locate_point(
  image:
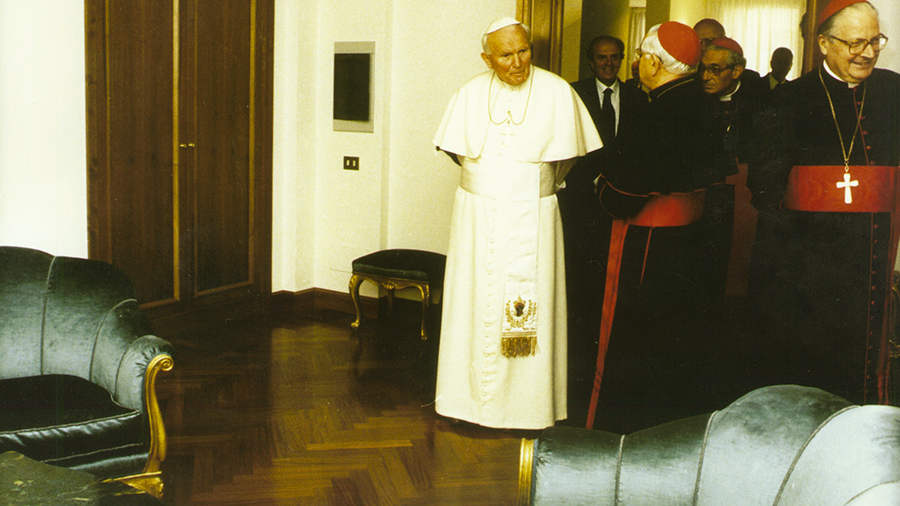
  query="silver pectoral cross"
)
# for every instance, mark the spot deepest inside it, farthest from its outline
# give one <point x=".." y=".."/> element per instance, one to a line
<point x="846" y="184"/>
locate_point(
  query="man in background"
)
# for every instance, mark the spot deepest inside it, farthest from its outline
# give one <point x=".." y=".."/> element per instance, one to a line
<point x="708" y="30"/>
<point x="781" y="62"/>
<point x="721" y="75"/>
<point x="635" y="79"/>
<point x="729" y="214"/>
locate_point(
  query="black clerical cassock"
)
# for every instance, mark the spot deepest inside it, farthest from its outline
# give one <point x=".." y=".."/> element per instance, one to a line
<point x="826" y="186"/>
<point x="655" y="340"/>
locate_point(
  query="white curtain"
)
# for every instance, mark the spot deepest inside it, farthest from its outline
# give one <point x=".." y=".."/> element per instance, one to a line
<point x="760" y="27"/>
<point x="889" y="19"/>
<point x="636" y="32"/>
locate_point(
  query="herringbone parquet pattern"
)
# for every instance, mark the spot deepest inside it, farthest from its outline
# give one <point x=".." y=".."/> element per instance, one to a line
<point x="275" y="413"/>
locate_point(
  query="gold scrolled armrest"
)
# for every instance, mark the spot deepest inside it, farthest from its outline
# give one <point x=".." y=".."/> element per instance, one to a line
<point x="150" y="480"/>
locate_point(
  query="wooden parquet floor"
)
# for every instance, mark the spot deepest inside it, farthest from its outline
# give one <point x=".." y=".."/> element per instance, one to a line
<point x="274" y="412"/>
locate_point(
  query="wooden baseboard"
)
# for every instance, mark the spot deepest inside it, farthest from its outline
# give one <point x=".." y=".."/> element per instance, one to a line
<point x="317" y="299"/>
<point x="305" y="303"/>
<point x="249" y="306"/>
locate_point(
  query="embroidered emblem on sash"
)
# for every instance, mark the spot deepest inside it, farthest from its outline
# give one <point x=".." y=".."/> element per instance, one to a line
<point x="519" y="335"/>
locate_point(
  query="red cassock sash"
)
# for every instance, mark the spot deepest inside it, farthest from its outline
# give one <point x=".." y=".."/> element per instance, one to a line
<point x="743" y="232"/>
<point x="671" y="210"/>
<point x="861" y="189"/>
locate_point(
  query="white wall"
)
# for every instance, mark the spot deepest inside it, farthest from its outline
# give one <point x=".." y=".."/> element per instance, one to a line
<point x="349" y="213"/>
<point x="294" y="144"/>
<point x="402" y="195"/>
<point x="686" y="11"/>
<point x="43" y="168"/>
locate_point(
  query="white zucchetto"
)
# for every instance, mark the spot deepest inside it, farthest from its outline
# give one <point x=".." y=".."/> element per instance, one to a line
<point x="501" y="23"/>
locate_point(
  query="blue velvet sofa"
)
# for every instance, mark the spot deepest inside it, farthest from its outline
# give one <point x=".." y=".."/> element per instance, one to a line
<point x="782" y="445"/>
<point x="78" y="366"/>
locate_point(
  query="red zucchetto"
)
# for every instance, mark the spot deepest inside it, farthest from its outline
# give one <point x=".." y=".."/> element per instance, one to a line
<point x="730" y="44"/>
<point x="680" y="41"/>
<point x="834" y="6"/>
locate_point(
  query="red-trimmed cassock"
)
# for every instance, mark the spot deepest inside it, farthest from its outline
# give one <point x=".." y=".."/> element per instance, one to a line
<point x="827" y="235"/>
<point x="655" y="342"/>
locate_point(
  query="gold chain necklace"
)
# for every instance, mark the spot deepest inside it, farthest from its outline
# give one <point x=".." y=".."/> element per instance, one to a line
<point x="834" y="116"/>
<point x="508" y="112"/>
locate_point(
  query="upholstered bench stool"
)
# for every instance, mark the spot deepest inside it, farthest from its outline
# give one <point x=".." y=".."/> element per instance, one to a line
<point x="396" y="269"/>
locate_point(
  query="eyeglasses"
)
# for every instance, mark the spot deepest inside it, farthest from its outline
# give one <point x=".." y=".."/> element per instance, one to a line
<point x="857" y="46"/>
<point x="712" y="69"/>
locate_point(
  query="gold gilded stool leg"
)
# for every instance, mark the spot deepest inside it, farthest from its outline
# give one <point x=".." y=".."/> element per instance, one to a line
<point x="355" y="281"/>
<point x="426" y="302"/>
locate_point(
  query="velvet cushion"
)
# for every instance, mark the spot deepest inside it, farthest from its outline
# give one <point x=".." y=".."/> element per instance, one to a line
<point x="786" y="445"/>
<point x="415" y="265"/>
<point x="66" y="419"/>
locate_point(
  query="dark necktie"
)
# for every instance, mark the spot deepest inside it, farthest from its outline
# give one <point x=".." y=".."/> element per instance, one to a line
<point x="607" y="125"/>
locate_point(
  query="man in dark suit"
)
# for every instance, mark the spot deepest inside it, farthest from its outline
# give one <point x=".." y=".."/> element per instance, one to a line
<point x="781" y="63"/>
<point x="614" y="108"/>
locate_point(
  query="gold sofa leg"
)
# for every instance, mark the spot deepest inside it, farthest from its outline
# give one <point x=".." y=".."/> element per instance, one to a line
<point x="526" y="461"/>
<point x="150" y="480"/>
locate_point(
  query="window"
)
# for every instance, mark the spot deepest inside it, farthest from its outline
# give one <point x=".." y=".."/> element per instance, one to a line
<point x="760" y="27"/>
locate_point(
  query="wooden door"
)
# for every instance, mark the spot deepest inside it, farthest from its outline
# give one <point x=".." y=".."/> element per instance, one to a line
<point x="179" y="97"/>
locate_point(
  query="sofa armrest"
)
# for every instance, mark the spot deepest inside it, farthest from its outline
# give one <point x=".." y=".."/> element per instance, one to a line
<point x="155" y="352"/>
<point x="567" y="465"/>
<point x="157" y="429"/>
<point x="134" y="367"/>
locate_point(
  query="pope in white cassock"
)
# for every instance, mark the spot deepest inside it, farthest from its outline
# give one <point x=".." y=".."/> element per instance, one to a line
<point x="515" y="130"/>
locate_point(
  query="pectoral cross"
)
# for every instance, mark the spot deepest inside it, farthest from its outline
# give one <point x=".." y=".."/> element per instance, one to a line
<point x="846" y="184"/>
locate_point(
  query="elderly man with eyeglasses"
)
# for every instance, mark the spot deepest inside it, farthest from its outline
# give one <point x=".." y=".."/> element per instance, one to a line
<point x="739" y="97"/>
<point x="720" y="72"/>
<point x="826" y="185"/>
